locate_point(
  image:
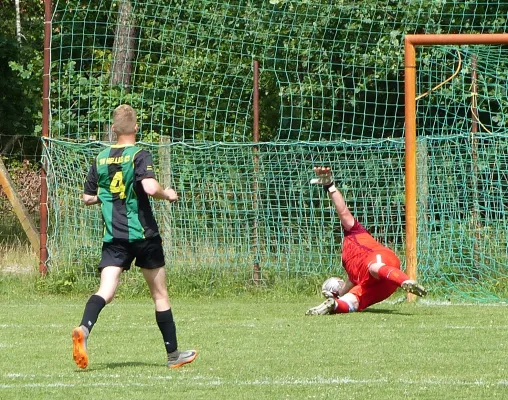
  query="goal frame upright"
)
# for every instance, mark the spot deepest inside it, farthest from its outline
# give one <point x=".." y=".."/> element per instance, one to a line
<point x="410" y="65"/>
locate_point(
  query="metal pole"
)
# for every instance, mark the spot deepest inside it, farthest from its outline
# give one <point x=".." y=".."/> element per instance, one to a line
<point x="410" y="141"/>
<point x="474" y="155"/>
<point x="410" y="42"/>
<point x="255" y="129"/>
<point x="470" y="38"/>
<point x="43" y="229"/>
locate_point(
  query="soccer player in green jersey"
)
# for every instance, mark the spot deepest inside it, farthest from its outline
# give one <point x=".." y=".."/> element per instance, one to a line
<point x="121" y="180"/>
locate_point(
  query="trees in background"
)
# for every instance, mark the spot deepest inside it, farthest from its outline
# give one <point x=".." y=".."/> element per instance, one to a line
<point x="21" y="54"/>
<point x="329" y="70"/>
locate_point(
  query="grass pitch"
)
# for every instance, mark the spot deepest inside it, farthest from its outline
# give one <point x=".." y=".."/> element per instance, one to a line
<point x="251" y="348"/>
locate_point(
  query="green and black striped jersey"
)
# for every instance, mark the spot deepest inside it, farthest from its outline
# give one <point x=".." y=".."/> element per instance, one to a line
<point x="115" y="177"/>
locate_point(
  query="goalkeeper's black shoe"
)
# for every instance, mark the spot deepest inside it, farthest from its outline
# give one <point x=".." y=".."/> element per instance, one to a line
<point x="178" y="358"/>
<point x="326" y="307"/>
<point x="414" y="287"/>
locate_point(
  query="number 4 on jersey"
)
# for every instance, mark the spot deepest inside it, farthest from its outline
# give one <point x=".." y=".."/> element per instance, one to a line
<point x="117" y="185"/>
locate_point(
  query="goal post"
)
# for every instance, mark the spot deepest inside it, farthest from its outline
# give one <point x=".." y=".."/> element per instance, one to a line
<point x="410" y="69"/>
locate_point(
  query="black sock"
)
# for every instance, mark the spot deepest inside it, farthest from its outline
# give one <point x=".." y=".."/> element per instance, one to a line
<point x="93" y="307"/>
<point x="168" y="329"/>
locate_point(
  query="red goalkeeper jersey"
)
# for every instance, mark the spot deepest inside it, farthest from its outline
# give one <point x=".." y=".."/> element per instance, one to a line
<point x="359" y="249"/>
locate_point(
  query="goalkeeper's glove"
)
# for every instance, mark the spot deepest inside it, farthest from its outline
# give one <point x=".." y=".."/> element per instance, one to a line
<point x="325" y="180"/>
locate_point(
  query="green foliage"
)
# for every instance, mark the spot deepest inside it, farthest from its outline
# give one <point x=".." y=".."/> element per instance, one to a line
<point x="323" y="65"/>
<point x="203" y="282"/>
<point x="222" y="284"/>
<point x="21" y="69"/>
<point x="20" y="103"/>
<point x="62" y="283"/>
<point x="341" y="56"/>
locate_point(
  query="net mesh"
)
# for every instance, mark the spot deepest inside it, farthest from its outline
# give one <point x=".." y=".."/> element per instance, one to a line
<point x="331" y="93"/>
<point x="463" y="167"/>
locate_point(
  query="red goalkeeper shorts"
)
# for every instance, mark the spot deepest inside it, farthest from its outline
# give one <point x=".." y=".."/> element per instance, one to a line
<point x="370" y="290"/>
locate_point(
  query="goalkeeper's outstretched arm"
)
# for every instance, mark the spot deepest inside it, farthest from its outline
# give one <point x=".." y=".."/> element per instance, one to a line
<point x="324" y="177"/>
<point x="346" y="218"/>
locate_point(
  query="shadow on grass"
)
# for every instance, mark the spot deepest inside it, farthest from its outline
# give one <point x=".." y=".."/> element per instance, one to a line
<point x="125" y="364"/>
<point x="385" y="311"/>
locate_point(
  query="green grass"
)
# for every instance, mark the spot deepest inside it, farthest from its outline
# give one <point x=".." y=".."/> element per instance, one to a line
<point x="18" y="258"/>
<point x="255" y="348"/>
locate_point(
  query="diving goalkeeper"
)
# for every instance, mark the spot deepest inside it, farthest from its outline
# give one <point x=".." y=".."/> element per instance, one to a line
<point x="373" y="270"/>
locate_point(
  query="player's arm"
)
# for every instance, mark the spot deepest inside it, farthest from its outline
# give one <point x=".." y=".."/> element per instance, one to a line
<point x="90" y="200"/>
<point x="324" y="177"/>
<point x="143" y="169"/>
<point x="90" y="197"/>
<point x="346" y="218"/>
<point x="153" y="188"/>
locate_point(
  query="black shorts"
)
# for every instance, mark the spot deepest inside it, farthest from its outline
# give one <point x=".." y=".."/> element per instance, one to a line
<point x="120" y="253"/>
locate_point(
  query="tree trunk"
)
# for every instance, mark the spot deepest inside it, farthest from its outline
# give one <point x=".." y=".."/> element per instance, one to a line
<point x="123" y="53"/>
<point x="18" y="21"/>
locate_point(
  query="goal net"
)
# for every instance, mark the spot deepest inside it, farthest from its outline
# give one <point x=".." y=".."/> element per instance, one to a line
<point x="331" y="93"/>
<point x="462" y="162"/>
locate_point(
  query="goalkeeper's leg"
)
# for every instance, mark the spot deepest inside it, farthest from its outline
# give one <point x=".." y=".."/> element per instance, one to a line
<point x="345" y="304"/>
<point x="398" y="277"/>
<point x="386" y="266"/>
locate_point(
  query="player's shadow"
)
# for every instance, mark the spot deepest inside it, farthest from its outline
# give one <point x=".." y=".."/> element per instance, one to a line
<point x="384" y="311"/>
<point x="124" y="364"/>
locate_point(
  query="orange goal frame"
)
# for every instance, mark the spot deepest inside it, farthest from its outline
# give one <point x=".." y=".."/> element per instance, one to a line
<point x="410" y="43"/>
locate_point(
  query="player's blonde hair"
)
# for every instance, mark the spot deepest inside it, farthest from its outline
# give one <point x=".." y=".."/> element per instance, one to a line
<point x="124" y="120"/>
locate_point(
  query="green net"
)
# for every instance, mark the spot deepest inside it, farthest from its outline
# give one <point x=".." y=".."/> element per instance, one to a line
<point x="331" y="93"/>
<point x="463" y="168"/>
